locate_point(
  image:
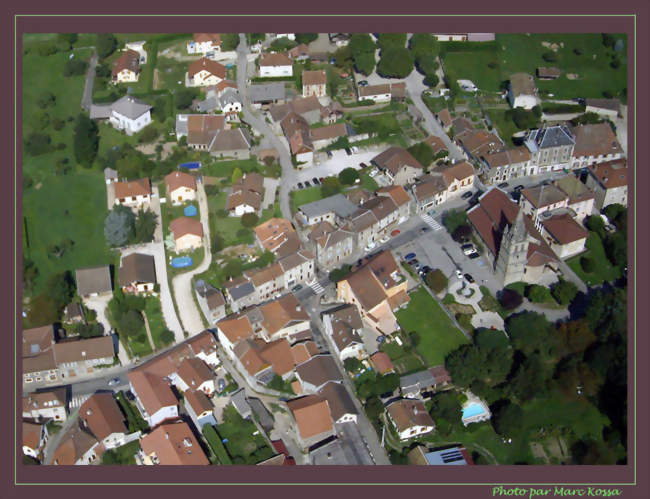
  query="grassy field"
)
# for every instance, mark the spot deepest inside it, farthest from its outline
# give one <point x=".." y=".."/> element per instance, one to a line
<point x="124" y="455"/>
<point x="474" y="66"/>
<point x="156" y="321"/>
<point x="170" y="72"/>
<point x="438" y="335"/>
<point x="504" y="125"/>
<point x="368" y="183"/>
<point x="603" y="269"/>
<point x="226" y="226"/>
<point x="404" y="362"/>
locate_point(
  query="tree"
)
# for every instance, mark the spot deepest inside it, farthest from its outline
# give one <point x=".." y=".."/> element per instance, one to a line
<point x="462" y="233"/>
<point x="229" y="41"/>
<point x="596" y="224"/>
<point x="46" y="99"/>
<point x="615" y="212"/>
<point x="424" y="44"/>
<point x="395" y="62"/>
<point x="510" y="299"/>
<point x="306" y="38"/>
<point x="145" y="226"/>
<point x="616" y="249"/>
<point x="102" y="71"/>
<point x="37" y="144"/>
<point x="574" y="337"/>
<point x="587" y="119"/>
<point x="167" y="337"/>
<point x="184" y="98"/>
<point x="488" y="363"/>
<point x="362" y="49"/>
<point x="389" y="40"/>
<point x="508" y="419"/>
<point x="86" y="140"/>
<point x="454" y="219"/>
<point x="236" y="175"/>
<point x="522" y="119"/>
<point x="423" y="152"/>
<point x="131" y="324"/>
<point x="529" y="332"/>
<point x="431" y="80"/>
<point x="338" y="274"/>
<point x="90" y="330"/>
<point x="446" y="406"/>
<point x="608" y="40"/>
<point x="549" y="56"/>
<point x="436" y="280"/>
<point x="149" y="134"/>
<point x="330" y="186"/>
<point x="374" y="408"/>
<point x="119" y="226"/>
<point x="348" y="176"/>
<point x="587" y="263"/>
<point x="530" y="380"/>
<point x="249" y="219"/>
<point x="68" y="38"/>
<point x="538" y="294"/>
<point x="352" y="364"/>
<point x="387" y="383"/>
<point x="364" y="63"/>
<point x="74" y="67"/>
<point x="106" y="43"/>
<point x="564" y="292"/>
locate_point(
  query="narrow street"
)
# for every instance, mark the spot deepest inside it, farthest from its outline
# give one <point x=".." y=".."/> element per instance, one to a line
<point x="54" y="440"/>
<point x="258" y="123"/>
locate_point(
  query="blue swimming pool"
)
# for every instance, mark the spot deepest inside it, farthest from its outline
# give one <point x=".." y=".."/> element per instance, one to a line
<point x="190" y="211"/>
<point x="192" y="165"/>
<point x="473" y="410"/>
<point x="181" y="261"/>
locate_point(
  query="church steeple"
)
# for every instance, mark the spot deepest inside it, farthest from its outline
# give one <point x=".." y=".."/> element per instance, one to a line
<point x="513" y="250"/>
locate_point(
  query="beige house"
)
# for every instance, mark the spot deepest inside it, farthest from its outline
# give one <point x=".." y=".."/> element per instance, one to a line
<point x="564" y="235"/>
<point x="313" y="419"/>
<point x="508" y="164"/>
<point x="331" y="245"/>
<point x="126" y="68"/>
<point x="180" y="187"/>
<point x="205" y="72"/>
<point x="551" y="149"/>
<point x="377" y="288"/>
<point x="172" y="444"/>
<point x="429" y="191"/>
<point x="522" y="91"/>
<point x="410" y="418"/>
<point x="202" y="43"/>
<point x="101" y="415"/>
<point x="133" y="194"/>
<point x="187" y="234"/>
<point x="609" y="183"/>
<point x="137" y="274"/>
<point x="45" y="405"/>
<point x="595" y="144"/>
<point x="314" y="83"/>
<point x="459" y="178"/>
<point x="398" y="165"/>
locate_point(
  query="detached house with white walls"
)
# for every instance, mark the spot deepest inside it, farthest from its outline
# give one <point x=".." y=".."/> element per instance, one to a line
<point x="522" y="91"/>
<point x="205" y="72"/>
<point x="181" y="187"/>
<point x="203" y="43"/>
<point x="274" y="65"/>
<point x="127" y="113"/>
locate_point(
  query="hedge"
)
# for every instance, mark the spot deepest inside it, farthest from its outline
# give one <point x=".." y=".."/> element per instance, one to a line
<point x="468" y="47"/>
<point x="554" y="108"/>
<point x="214" y="441"/>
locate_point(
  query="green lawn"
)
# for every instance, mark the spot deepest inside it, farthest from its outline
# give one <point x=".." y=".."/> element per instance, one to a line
<point x="170" y="72"/>
<point x="474" y="66"/>
<point x="242" y="445"/>
<point x="124" y="455"/>
<point x="304" y="196"/>
<point x="403" y="360"/>
<point x="227" y="227"/>
<point x="603" y="269"/>
<point x="505" y="126"/>
<point x="225" y="169"/>
<point x="438" y="335"/>
<point x="156" y="321"/>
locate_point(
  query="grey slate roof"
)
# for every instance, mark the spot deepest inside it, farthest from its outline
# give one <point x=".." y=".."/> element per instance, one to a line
<point x="417" y="381"/>
<point x="263" y="415"/>
<point x="553" y="136"/>
<point x="241" y="291"/>
<point x="230" y="140"/>
<point x="130" y="107"/>
<point x="267" y="92"/>
<point x="207" y="105"/>
<point x="338" y="204"/>
<point x="229" y="96"/>
<point x="100" y="111"/>
<point x="240" y="402"/>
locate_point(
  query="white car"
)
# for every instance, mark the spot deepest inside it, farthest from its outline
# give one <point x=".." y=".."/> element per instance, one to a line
<point x="384" y="239"/>
<point x="459" y="274"/>
<point x="370" y="246"/>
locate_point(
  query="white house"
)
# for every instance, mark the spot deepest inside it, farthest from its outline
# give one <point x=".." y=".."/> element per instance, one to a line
<point x="275" y="65"/>
<point x="181" y="187"/>
<point x="343" y="325"/>
<point x="410" y="418"/>
<point x="154" y="397"/>
<point x="194" y="374"/>
<point x="205" y="72"/>
<point x="202" y="43"/>
<point x="522" y="91"/>
<point x="34" y="437"/>
<point x="127" y="113"/>
<point x="134" y="193"/>
<point x="377" y="93"/>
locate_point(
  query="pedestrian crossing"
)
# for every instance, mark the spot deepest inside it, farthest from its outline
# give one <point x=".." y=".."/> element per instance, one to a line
<point x="317" y="288"/>
<point x="431" y="222"/>
<point x="78" y="400"/>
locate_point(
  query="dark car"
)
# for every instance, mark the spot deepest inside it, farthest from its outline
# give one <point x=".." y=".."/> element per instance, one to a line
<point x="298" y="287"/>
<point x="300" y="186"/>
<point x="467" y="195"/>
<point x="424" y="229"/>
<point x="469" y="278"/>
<point x="348" y="151"/>
<point x="467" y="246"/>
<point x="519" y="187"/>
<point x="381" y="339"/>
<point x="221" y="385"/>
<point x="329" y="154"/>
<point x="410" y="256"/>
<point x="307" y="184"/>
<point x="473" y="255"/>
<point x="321" y="178"/>
<point x="503" y="184"/>
<point x="363" y="165"/>
<point x="363" y="83"/>
<point x="414" y="261"/>
<point x="424" y="270"/>
<point x="315" y="180"/>
<point x="129" y="395"/>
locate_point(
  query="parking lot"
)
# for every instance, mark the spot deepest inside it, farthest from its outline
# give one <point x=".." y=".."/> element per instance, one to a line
<point x="339" y="161"/>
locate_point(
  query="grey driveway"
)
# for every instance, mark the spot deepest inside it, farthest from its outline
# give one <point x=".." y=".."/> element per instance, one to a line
<point x="87" y="99"/>
<point x="190" y="315"/>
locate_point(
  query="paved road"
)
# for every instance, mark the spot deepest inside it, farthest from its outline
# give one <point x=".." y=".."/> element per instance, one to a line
<point x="87" y="99"/>
<point x="53" y="441"/>
<point x="258" y="123"/>
<point x="190" y="315"/>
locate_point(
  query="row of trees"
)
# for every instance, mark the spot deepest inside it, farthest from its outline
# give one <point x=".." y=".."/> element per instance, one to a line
<point x="122" y="227"/>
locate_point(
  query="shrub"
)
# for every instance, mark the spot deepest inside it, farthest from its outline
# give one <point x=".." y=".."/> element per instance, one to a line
<point x="549" y="56"/>
<point x="564" y="292"/>
<point x="577" y="51"/>
<point x="348" y="176"/>
<point x="249" y="219"/>
<point x="46" y="99"/>
<point x="437" y="281"/>
<point x="492" y="64"/>
<point x="148" y="135"/>
<point x="106" y="43"/>
<point x="510" y="299"/>
<point x="337" y="274"/>
<point x="167" y="337"/>
<point x="58" y="124"/>
<point x="37" y="144"/>
<point x="431" y="80"/>
<point x="462" y="233"/>
<point x="102" y="71"/>
<point x="539" y="294"/>
<point x="587" y="263"/>
<point x="211" y="190"/>
<point x="74" y="67"/>
<point x="616" y="63"/>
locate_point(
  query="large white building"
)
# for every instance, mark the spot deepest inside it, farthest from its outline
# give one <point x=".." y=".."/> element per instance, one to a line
<point x="128" y="114"/>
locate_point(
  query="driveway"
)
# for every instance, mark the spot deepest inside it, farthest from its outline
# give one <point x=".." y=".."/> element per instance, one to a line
<point x="87" y="99"/>
<point x="270" y="186"/>
<point x="157" y="250"/>
<point x="258" y="122"/>
<point x="99" y="304"/>
<point x="333" y="166"/>
<point x="190" y="315"/>
<point x="53" y="441"/>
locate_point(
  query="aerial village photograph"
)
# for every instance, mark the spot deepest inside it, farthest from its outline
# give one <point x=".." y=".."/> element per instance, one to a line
<point x="318" y="249"/>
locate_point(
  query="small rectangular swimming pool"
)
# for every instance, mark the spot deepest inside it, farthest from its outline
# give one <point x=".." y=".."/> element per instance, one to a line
<point x="181" y="261"/>
<point x="473" y="410"/>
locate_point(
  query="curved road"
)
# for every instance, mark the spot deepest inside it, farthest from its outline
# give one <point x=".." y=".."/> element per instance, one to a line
<point x="189" y="314"/>
<point x="258" y="123"/>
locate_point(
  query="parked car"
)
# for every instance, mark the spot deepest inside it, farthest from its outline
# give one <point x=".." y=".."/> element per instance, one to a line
<point x="413" y="262"/>
<point x="395" y="233"/>
<point x="355" y="149"/>
<point x="370" y="246"/>
<point x="321" y="179"/>
<point x="424" y="229"/>
<point x="363" y="165"/>
<point x="469" y="278"/>
<point x="315" y="180"/>
<point x="381" y="339"/>
<point x="384" y="239"/>
<point x="221" y="385"/>
<point x="129" y="395"/>
<point x="432" y="213"/>
<point x="329" y="154"/>
<point x="307" y="184"/>
<point x="519" y="187"/>
<point x="114" y="381"/>
<point x="298" y="287"/>
<point x="424" y="270"/>
<point x="468" y="249"/>
<point x="348" y="152"/>
<point x="467" y="195"/>
<point x="473" y="255"/>
<point x="300" y="186"/>
<point x="503" y="185"/>
<point x="459" y="274"/>
<point x="363" y="83"/>
<point x="410" y="256"/>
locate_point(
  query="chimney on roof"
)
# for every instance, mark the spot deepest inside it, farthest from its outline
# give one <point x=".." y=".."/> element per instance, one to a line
<point x="167" y="436"/>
